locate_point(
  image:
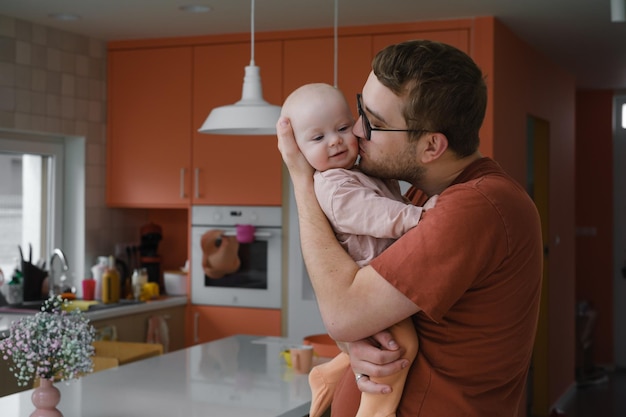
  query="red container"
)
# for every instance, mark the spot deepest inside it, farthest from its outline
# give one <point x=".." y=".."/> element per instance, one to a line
<point x="89" y="289"/>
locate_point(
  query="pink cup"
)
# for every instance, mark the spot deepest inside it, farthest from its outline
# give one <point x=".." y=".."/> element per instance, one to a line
<point x="89" y="289"/>
<point x="245" y="233"/>
<point x="301" y="358"/>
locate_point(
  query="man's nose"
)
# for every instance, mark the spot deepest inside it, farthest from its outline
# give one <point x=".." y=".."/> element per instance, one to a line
<point x="357" y="129"/>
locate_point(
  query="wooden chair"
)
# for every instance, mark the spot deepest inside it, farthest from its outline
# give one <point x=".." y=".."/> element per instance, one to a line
<point x="126" y="352"/>
<point x="100" y="363"/>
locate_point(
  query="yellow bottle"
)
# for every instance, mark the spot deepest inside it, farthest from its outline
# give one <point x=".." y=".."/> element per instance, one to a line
<point x="111" y="284"/>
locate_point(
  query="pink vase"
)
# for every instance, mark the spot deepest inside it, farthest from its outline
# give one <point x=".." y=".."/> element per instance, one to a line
<point x="45" y="398"/>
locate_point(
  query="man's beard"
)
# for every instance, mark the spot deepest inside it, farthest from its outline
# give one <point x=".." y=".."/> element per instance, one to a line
<point x="404" y="168"/>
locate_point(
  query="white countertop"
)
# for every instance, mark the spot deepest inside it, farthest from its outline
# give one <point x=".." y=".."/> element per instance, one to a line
<point x="7" y="315"/>
<point x="238" y="376"/>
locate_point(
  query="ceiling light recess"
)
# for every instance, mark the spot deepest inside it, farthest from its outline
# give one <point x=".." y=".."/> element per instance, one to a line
<point x="252" y="115"/>
<point x="195" y="8"/>
<point x="65" y="17"/>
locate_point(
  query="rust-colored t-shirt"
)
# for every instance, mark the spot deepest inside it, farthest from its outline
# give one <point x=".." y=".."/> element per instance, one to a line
<point x="473" y="265"/>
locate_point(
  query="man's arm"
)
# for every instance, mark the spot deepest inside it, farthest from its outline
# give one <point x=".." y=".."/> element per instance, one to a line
<point x="354" y="303"/>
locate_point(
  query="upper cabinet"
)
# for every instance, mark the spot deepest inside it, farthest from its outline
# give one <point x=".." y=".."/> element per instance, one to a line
<point x="160" y="93"/>
<point x="312" y="61"/>
<point x="234" y="169"/>
<point x="159" y="98"/>
<point x="149" y="127"/>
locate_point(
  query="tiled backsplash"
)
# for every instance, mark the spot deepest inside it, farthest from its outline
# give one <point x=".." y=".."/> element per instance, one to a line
<point x="54" y="82"/>
<point x="51" y="81"/>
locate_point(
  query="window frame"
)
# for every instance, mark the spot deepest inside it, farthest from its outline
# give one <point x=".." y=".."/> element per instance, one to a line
<point x="52" y="147"/>
<point x="70" y="180"/>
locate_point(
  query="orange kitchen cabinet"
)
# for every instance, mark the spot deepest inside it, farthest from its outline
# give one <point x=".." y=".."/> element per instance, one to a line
<point x="207" y="323"/>
<point x="311" y="60"/>
<point x="149" y="127"/>
<point x="459" y="38"/>
<point x="234" y="169"/>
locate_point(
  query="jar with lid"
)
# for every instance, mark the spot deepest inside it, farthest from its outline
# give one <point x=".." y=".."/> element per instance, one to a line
<point x="138" y="280"/>
<point x="97" y="271"/>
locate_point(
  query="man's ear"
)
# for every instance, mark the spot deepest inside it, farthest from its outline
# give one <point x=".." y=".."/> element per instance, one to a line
<point x="435" y="144"/>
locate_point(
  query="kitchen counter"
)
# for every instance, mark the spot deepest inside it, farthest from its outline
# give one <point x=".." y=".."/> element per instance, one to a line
<point x="236" y="376"/>
<point x="8" y="315"/>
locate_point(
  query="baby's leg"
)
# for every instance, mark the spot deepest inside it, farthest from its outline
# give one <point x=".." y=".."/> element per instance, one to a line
<point x="385" y="405"/>
<point x="323" y="380"/>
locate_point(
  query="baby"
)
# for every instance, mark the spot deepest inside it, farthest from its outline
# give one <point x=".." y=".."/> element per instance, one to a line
<point x="367" y="214"/>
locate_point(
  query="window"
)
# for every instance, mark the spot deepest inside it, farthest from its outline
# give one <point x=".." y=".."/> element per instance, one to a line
<point x="31" y="198"/>
<point x="623" y="123"/>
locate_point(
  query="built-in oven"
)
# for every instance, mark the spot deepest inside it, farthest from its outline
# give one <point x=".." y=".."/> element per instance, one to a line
<point x="257" y="282"/>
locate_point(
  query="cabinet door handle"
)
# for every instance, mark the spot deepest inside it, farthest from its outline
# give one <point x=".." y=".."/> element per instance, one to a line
<point x="182" y="183"/>
<point x="196" y="187"/>
<point x="196" y="320"/>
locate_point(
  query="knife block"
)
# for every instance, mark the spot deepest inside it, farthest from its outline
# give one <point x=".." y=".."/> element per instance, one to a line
<point x="33" y="282"/>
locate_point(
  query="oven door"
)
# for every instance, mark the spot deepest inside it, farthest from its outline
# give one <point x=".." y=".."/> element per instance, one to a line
<point x="257" y="282"/>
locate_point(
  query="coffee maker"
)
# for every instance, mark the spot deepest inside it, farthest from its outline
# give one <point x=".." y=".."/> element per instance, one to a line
<point x="151" y="234"/>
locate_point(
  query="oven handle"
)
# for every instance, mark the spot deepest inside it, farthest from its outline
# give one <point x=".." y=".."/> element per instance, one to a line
<point x="256" y="234"/>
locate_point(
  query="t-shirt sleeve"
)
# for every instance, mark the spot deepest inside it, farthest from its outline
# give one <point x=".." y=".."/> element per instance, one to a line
<point x="457" y="242"/>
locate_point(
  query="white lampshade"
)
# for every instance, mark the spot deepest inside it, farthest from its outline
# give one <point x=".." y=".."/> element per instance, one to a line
<point x="249" y="116"/>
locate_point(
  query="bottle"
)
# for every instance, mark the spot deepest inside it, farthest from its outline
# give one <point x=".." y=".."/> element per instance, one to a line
<point x="97" y="271"/>
<point x="111" y="283"/>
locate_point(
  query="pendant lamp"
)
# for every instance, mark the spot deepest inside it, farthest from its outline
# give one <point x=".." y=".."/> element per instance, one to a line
<point x="251" y="115"/>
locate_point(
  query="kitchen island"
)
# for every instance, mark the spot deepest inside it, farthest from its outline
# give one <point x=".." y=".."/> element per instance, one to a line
<point x="235" y="376"/>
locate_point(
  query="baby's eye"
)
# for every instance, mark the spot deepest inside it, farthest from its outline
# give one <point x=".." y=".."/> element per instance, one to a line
<point x="318" y="138"/>
<point x="347" y="126"/>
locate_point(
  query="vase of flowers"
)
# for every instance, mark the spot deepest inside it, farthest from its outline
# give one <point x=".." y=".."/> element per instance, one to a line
<point x="52" y="345"/>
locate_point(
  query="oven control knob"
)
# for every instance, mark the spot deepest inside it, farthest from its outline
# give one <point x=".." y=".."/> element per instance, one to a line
<point x="235" y="300"/>
<point x="217" y="217"/>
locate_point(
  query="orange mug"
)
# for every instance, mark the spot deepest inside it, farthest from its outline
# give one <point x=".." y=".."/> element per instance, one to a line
<point x="301" y="358"/>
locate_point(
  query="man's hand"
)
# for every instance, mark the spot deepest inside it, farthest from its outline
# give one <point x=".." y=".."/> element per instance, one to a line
<point x="377" y="356"/>
<point x="295" y="161"/>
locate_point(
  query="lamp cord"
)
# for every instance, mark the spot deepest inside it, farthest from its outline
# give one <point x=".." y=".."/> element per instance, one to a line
<point x="335" y="42"/>
<point x="252" y="35"/>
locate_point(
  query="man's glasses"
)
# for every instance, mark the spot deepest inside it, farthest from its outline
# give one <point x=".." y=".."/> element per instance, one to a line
<point x="367" y="127"/>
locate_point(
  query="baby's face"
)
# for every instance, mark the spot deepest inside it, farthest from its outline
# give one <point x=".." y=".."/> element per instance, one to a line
<point x="323" y="132"/>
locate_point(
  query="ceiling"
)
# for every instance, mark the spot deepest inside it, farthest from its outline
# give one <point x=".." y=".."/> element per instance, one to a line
<point x="577" y="34"/>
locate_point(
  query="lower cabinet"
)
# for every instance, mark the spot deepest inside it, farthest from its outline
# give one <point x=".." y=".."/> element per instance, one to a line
<point x="207" y="323"/>
<point x="134" y="327"/>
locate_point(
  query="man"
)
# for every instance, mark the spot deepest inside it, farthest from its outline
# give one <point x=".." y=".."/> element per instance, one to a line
<point x="469" y="275"/>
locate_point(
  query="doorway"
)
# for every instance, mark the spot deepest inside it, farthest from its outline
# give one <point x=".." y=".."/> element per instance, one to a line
<point x="538" y="160"/>
<point x="619" y="237"/>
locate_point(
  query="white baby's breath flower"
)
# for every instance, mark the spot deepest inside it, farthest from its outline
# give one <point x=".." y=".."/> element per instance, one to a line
<point x="53" y="344"/>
